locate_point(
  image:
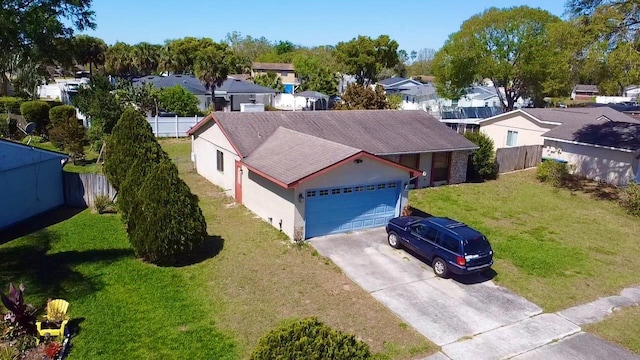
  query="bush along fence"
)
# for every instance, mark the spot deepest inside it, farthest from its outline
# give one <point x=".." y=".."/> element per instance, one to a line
<point x="81" y="190"/>
<point x="174" y="126"/>
<point x="518" y="158"/>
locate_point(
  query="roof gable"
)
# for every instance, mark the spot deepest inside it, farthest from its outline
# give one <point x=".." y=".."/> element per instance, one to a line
<point x="601" y="133"/>
<point x="189" y="82"/>
<point x="237" y="86"/>
<point x="14" y="155"/>
<point x="377" y="132"/>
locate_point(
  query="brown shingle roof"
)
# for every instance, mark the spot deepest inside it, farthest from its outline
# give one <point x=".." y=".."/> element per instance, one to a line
<point x="586" y="88"/>
<point x="378" y="132"/>
<point x="304" y="155"/>
<point x="272" y="66"/>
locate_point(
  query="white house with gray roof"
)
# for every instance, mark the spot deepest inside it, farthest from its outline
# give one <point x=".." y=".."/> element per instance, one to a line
<point x="599" y="143"/>
<point x="315" y="173"/>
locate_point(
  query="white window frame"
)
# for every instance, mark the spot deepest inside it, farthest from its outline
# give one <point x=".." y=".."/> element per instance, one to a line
<point x="513" y="137"/>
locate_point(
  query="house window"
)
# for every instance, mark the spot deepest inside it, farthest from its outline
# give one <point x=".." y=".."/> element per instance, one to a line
<point x="382" y="186"/>
<point x="359" y="188"/>
<point x="370" y="187"/>
<point x="486" y="104"/>
<point x="324" y="192"/>
<point x="347" y="190"/>
<point x="392" y="185"/>
<point x="512" y="138"/>
<point x="219" y="160"/>
<point x="311" y="193"/>
<point x="440" y="166"/>
<point x="335" y="191"/>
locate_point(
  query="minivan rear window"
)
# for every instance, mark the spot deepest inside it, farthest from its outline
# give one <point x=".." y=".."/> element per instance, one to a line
<point x="476" y="245"/>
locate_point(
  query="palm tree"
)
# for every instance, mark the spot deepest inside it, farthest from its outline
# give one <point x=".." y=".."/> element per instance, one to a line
<point x="211" y="65"/>
<point x="89" y="50"/>
<point x="146" y="58"/>
<point x="119" y="60"/>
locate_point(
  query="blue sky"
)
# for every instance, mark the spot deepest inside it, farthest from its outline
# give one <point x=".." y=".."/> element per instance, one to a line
<point x="414" y="24"/>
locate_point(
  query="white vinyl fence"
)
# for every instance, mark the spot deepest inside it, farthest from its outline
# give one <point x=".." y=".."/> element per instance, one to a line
<point x="172" y="126"/>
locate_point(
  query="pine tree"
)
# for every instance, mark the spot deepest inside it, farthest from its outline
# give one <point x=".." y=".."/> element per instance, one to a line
<point x="131" y="139"/>
<point x="165" y="223"/>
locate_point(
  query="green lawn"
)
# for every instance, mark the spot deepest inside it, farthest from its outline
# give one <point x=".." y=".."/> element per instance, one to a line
<point x="216" y="309"/>
<point x="555" y="247"/>
<point x="623" y="327"/>
<point x="88" y="166"/>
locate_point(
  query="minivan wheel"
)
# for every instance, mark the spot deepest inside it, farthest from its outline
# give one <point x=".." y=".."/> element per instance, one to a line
<point x="394" y="240"/>
<point x="440" y="268"/>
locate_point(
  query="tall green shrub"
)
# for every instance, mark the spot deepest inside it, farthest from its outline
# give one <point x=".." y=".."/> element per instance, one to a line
<point x="552" y="172"/>
<point x="37" y="112"/>
<point x="10" y="104"/>
<point x="483" y="161"/>
<point x="309" y="339"/>
<point x="165" y="223"/>
<point x="67" y="132"/>
<point x="179" y="100"/>
<point x="131" y="139"/>
<point x="128" y="193"/>
<point x="630" y="198"/>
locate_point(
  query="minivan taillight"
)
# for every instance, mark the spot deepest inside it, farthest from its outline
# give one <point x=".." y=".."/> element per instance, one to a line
<point x="461" y="261"/>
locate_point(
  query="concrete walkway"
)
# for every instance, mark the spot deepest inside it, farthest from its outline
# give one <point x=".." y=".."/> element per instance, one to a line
<point x="479" y="320"/>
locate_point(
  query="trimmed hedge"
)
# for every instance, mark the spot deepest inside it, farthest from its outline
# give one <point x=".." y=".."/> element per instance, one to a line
<point x="630" y="198"/>
<point x="36" y="112"/>
<point x="309" y="339"/>
<point x="552" y="172"/>
<point x="10" y="104"/>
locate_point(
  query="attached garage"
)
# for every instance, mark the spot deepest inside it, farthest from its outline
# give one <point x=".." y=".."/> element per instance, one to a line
<point x="310" y="174"/>
<point x="349" y="208"/>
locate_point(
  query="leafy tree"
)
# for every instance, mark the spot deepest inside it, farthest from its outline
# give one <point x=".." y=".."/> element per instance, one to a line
<point x="36" y="112"/>
<point x="316" y="70"/>
<point x="144" y="97"/>
<point x="615" y="20"/>
<point x="179" y="56"/>
<point x="283" y="47"/>
<point x="98" y="103"/>
<point x="89" y="50"/>
<point x="270" y="80"/>
<point x="29" y="74"/>
<point x="131" y="139"/>
<point x="67" y="133"/>
<point x="309" y="339"/>
<point x="38" y="29"/>
<point x="509" y="46"/>
<point x="394" y="101"/>
<point x="358" y="97"/>
<point x="179" y="100"/>
<point x="247" y="47"/>
<point x="364" y="57"/>
<point x="166" y="225"/>
<point x="483" y="161"/>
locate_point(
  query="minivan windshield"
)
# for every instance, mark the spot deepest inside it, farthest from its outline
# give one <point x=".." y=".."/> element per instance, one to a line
<point x="476" y="245"/>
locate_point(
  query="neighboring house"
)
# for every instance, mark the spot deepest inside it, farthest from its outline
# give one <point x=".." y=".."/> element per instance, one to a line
<point x="233" y="92"/>
<point x="584" y="92"/>
<point x="189" y="82"/>
<point x="395" y="84"/>
<point x="286" y="72"/>
<point x="311" y="173"/>
<point x="600" y="142"/>
<point x="475" y="96"/>
<point x="31" y="181"/>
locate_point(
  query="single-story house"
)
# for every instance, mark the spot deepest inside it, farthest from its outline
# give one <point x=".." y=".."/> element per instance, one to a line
<point x="311" y="173"/>
<point x="584" y="92"/>
<point x="599" y="142"/>
<point x="286" y="73"/>
<point x="31" y="181"/>
<point x="234" y="92"/>
<point x="396" y="83"/>
<point x="189" y="82"/>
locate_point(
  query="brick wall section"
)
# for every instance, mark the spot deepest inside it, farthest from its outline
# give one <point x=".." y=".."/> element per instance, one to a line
<point x="459" y="166"/>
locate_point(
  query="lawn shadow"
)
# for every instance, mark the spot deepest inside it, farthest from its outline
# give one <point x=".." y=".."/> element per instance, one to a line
<point x="52" y="275"/>
<point x="597" y="190"/>
<point x="37" y="223"/>
<point x="211" y="247"/>
<point x="74" y="327"/>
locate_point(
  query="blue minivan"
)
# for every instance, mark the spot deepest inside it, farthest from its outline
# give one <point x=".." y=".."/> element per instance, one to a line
<point x="451" y="246"/>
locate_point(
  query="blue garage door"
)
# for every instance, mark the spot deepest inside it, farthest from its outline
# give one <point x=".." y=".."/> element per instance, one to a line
<point x="341" y="209"/>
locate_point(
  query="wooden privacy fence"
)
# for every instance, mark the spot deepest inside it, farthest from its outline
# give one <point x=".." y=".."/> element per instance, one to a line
<point x="81" y="190"/>
<point x="518" y="158"/>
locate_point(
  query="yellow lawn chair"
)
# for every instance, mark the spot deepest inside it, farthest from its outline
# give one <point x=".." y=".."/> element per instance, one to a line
<point x="56" y="312"/>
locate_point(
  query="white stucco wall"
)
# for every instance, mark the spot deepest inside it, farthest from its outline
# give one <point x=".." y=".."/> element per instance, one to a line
<point x="369" y="171"/>
<point x="529" y="131"/>
<point x="270" y="201"/>
<point x="204" y="149"/>
<point x="612" y="166"/>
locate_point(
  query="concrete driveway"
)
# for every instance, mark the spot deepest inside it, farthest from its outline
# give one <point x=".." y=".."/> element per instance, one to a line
<point x="472" y="320"/>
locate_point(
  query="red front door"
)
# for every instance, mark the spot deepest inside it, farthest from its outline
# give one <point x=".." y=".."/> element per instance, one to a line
<point x="238" y="192"/>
